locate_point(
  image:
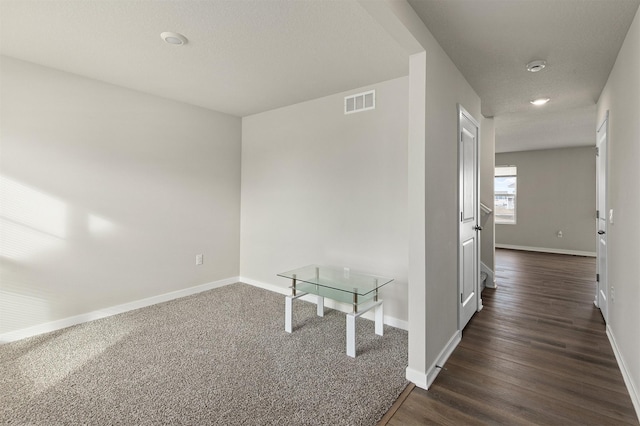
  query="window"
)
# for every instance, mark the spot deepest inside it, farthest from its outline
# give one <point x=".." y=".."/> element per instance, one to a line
<point x="505" y="189"/>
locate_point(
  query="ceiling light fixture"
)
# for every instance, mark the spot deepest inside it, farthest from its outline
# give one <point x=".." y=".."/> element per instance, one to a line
<point x="540" y="101"/>
<point x="537" y="65"/>
<point x="174" y="38"/>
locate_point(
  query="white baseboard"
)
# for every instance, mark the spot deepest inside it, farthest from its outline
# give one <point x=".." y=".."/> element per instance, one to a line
<point x="417" y="378"/>
<point x="444" y="355"/>
<point x="113" y="310"/>
<point x="491" y="278"/>
<point x="425" y="380"/>
<point x="548" y="250"/>
<point x="331" y="304"/>
<point x="270" y="287"/>
<point x="628" y="380"/>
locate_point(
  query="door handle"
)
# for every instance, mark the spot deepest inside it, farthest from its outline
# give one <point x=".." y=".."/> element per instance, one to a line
<point x="601" y="232"/>
<point x="478" y="228"/>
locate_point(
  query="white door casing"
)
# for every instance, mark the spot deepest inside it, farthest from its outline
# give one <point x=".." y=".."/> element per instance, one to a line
<point x="469" y="213"/>
<point x="602" y="293"/>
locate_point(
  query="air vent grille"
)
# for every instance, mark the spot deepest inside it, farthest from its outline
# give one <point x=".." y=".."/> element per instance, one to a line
<point x="360" y="102"/>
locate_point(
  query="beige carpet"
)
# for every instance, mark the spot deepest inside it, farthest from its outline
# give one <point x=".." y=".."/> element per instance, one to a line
<point x="219" y="357"/>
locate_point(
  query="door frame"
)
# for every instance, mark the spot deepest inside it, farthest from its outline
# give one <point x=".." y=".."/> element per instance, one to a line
<point x="602" y="275"/>
<point x="462" y="112"/>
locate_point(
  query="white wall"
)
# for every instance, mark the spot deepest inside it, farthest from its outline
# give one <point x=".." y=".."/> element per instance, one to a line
<point x="446" y="87"/>
<point x="621" y="97"/>
<point x="322" y="187"/>
<point x="108" y="194"/>
<point x="556" y="192"/>
<point x="436" y="89"/>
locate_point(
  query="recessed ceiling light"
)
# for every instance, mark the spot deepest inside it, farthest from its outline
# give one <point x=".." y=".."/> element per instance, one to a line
<point x="535" y="66"/>
<point x="540" y="101"/>
<point x="174" y="38"/>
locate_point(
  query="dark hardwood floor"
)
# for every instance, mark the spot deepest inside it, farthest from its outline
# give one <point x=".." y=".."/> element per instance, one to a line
<point x="536" y="354"/>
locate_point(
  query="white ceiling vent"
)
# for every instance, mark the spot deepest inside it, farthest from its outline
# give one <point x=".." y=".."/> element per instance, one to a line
<point x="360" y="102"/>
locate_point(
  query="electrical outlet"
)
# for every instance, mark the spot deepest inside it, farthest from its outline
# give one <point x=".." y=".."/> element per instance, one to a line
<point x="559" y="234"/>
<point x="199" y="259"/>
<point x="346" y="272"/>
<point x="612" y="295"/>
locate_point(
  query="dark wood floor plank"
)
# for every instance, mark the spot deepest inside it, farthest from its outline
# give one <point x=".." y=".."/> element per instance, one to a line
<point x="537" y="361"/>
<point x="573" y="394"/>
<point x="536" y="354"/>
<point x="422" y="408"/>
<point x="520" y="402"/>
<point x="483" y="409"/>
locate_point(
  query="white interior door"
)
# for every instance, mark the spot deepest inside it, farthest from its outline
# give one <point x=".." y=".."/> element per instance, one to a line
<point x="468" y="249"/>
<point x="602" y="293"/>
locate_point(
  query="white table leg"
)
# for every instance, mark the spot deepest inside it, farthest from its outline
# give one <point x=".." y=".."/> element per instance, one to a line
<point x="379" y="317"/>
<point x="288" y="313"/>
<point x="351" y="335"/>
<point x="320" y="306"/>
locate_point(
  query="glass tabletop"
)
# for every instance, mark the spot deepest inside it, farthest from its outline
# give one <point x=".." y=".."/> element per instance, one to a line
<point x="341" y="279"/>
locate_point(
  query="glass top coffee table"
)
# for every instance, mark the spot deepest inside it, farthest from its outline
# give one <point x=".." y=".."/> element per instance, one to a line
<point x="340" y="284"/>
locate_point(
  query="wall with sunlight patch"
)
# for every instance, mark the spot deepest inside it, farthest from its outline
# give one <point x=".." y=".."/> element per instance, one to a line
<point x="107" y="195"/>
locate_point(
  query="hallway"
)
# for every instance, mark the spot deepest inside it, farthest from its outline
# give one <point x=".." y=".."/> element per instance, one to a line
<point x="536" y="354"/>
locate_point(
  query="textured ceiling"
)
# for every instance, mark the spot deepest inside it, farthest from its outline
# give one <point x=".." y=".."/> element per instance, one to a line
<point x="542" y="129"/>
<point x="242" y="57"/>
<point x="491" y="41"/>
<point x="249" y="56"/>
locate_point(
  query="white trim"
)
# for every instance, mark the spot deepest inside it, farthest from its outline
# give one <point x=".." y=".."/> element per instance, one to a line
<point x="464" y="114"/>
<point x="425" y="380"/>
<point x="491" y="278"/>
<point x="113" y="310"/>
<point x="417" y="378"/>
<point x="329" y="303"/>
<point x="547" y="250"/>
<point x="628" y="380"/>
<point x="271" y="287"/>
<point x="602" y="194"/>
<point x="444" y="355"/>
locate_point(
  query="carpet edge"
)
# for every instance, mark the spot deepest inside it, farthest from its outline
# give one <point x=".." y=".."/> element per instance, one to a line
<point x="35" y="330"/>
